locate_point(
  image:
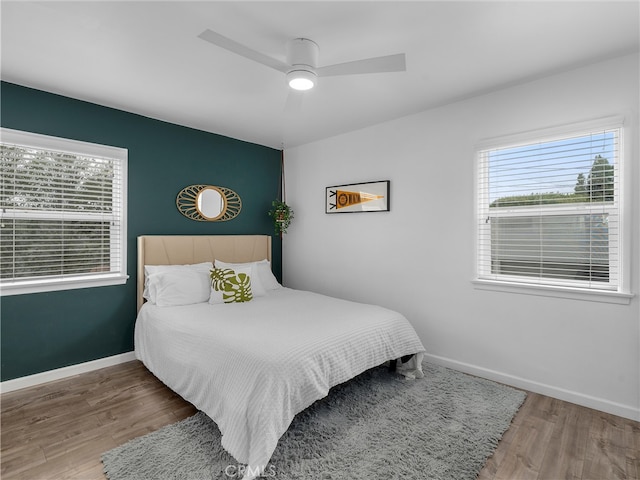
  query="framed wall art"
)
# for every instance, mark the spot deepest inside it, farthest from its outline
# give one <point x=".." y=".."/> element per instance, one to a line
<point x="358" y="197"/>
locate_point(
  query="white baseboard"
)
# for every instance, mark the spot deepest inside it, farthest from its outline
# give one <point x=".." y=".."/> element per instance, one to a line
<point x="621" y="410"/>
<point x="60" y="373"/>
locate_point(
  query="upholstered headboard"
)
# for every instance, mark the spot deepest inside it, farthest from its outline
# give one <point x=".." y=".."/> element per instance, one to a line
<point x="186" y="249"/>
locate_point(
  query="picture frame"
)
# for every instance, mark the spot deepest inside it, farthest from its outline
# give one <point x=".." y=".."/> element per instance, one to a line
<point x="358" y="197"/>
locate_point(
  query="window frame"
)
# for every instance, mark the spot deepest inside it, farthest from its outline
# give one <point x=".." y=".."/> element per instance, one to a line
<point x="70" y="282"/>
<point x="562" y="289"/>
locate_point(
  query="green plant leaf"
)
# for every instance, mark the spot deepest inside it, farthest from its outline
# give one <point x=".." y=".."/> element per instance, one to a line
<point x="220" y="277"/>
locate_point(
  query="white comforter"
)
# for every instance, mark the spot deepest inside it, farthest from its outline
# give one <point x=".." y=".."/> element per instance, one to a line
<point x="253" y="366"/>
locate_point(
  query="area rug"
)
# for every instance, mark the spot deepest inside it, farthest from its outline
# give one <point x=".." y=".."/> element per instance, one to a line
<point x="376" y="426"/>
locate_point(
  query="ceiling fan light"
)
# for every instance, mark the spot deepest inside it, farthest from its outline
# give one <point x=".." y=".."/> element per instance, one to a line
<point x="301" y="79"/>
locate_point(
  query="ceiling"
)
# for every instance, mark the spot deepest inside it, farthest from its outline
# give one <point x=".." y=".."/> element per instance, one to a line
<point x="145" y="57"/>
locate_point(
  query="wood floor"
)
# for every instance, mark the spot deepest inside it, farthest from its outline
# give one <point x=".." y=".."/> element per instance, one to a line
<point x="60" y="429"/>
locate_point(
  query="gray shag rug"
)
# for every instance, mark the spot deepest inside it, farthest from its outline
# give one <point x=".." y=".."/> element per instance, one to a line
<point x="376" y="426"/>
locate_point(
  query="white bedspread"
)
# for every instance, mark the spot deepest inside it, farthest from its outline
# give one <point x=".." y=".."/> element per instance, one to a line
<point x="253" y="366"/>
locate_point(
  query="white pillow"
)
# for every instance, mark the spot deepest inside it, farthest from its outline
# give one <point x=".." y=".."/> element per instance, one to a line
<point x="149" y="269"/>
<point x="180" y="287"/>
<point x="267" y="278"/>
<point x="256" y="284"/>
<point x="231" y="286"/>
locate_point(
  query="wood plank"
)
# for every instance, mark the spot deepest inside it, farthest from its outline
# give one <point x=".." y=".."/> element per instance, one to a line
<point x="152" y="421"/>
<point x="66" y="464"/>
<point x="541" y="407"/>
<point x="606" y="455"/>
<point x="19" y="458"/>
<point x="565" y="453"/>
<point x="524" y="457"/>
<point x="40" y="428"/>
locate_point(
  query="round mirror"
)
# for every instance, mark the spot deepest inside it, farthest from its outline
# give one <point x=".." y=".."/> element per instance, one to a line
<point x="207" y="203"/>
<point x="211" y="203"/>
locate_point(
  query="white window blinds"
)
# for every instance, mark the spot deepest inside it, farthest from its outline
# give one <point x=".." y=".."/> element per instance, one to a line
<point x="549" y="211"/>
<point x="63" y="213"/>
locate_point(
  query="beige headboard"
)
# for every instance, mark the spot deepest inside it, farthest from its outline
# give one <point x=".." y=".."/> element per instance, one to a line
<point x="185" y="249"/>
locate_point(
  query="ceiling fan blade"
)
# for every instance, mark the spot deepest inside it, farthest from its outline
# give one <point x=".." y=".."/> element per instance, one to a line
<point x="235" y="47"/>
<point x="388" y="63"/>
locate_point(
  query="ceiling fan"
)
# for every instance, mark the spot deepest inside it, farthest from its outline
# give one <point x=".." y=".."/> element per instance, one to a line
<point x="301" y="68"/>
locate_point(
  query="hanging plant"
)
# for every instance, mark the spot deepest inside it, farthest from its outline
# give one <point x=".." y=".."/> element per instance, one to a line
<point x="282" y="214"/>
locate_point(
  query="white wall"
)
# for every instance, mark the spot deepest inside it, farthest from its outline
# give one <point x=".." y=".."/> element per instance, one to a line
<point x="419" y="257"/>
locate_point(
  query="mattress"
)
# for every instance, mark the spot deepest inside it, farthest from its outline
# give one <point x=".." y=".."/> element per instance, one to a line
<point x="253" y="366"/>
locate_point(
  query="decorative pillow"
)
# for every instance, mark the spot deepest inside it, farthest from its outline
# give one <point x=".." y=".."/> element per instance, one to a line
<point x="150" y="284"/>
<point x="262" y="278"/>
<point x="230" y="285"/>
<point x="256" y="285"/>
<point x="179" y="287"/>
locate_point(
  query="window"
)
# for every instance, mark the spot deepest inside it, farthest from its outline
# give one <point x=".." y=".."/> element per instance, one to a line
<point x="63" y="214"/>
<point x="549" y="210"/>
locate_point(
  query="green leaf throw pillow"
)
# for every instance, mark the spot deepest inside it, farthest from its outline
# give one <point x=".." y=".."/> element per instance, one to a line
<point x="230" y="286"/>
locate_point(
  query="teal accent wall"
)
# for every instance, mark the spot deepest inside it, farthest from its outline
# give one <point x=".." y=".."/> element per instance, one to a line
<point x="45" y="331"/>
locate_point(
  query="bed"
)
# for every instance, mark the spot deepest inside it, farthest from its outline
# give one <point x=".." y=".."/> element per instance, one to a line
<point x="252" y="365"/>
